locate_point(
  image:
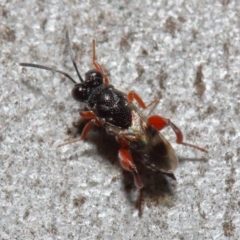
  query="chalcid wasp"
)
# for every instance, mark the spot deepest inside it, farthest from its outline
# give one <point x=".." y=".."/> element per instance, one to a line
<point x="115" y="111"/>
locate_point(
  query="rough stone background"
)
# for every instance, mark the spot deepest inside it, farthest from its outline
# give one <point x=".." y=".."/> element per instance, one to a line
<point x="187" y="52"/>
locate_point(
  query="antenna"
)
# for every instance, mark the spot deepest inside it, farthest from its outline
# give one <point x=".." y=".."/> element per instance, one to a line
<point x="56" y="70"/>
<point x="71" y="55"/>
<point x="49" y="69"/>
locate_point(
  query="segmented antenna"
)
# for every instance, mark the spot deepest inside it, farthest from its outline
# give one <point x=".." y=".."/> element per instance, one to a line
<point x="56" y="70"/>
<point x="49" y="69"/>
<point x="71" y="55"/>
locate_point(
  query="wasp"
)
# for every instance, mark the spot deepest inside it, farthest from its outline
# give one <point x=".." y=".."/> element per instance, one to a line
<point x="115" y="110"/>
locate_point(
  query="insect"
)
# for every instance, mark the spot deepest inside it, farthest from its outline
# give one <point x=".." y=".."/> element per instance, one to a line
<point x="115" y="111"/>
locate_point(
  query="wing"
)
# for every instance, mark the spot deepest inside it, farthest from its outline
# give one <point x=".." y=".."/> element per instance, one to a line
<point x="158" y="153"/>
<point x="155" y="151"/>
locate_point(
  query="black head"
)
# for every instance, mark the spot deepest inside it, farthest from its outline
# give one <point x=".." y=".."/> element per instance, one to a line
<point x="81" y="91"/>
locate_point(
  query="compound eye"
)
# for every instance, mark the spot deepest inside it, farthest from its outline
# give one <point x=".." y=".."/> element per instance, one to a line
<point x="94" y="77"/>
<point x="80" y="93"/>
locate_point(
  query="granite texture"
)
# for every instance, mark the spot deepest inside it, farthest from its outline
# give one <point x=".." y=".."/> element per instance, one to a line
<point x="186" y="52"/>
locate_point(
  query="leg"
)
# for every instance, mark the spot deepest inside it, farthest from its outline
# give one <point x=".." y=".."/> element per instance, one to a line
<point x="96" y="64"/>
<point x="91" y="115"/>
<point x="79" y="126"/>
<point x="159" y="123"/>
<point x="139" y="202"/>
<point x="126" y="162"/>
<point x="83" y="135"/>
<point x="132" y="95"/>
<point x="86" y="115"/>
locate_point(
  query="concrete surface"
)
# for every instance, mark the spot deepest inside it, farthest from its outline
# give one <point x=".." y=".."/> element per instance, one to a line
<point x="187" y="52"/>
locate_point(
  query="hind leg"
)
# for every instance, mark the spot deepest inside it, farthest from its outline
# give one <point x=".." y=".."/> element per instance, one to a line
<point x="126" y="162"/>
<point x="159" y="123"/>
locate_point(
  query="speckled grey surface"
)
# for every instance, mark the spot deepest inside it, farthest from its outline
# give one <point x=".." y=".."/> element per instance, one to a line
<point x="187" y="52"/>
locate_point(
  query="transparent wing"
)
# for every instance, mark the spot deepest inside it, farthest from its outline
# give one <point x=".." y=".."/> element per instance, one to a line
<point x="158" y="154"/>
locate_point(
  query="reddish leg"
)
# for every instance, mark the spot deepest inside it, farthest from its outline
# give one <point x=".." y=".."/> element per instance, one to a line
<point x="133" y="95"/>
<point x="86" y="115"/>
<point x="83" y="135"/>
<point x="96" y="64"/>
<point x="96" y="121"/>
<point x="159" y="123"/>
<point x="126" y="162"/>
<point x="86" y="129"/>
